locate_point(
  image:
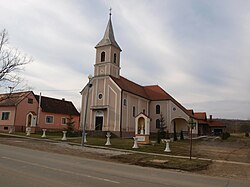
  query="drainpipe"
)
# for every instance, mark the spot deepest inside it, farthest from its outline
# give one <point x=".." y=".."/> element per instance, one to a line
<point x="14" y="124"/>
<point x="89" y="85"/>
<point x="39" y="109"/>
<point x="149" y="115"/>
<point x="121" y="116"/>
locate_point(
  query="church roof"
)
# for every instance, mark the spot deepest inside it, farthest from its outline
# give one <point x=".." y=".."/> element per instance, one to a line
<point x="130" y="86"/>
<point x="156" y="93"/>
<point x="109" y="37"/>
<point x="152" y="93"/>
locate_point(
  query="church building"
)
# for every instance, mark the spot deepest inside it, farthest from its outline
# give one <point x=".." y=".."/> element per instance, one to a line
<point x="111" y="102"/>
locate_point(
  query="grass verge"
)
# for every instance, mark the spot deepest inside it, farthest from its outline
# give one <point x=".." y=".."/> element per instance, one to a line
<point x="163" y="162"/>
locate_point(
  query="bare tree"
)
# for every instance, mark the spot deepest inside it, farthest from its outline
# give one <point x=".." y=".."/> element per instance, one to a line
<point x="11" y="62"/>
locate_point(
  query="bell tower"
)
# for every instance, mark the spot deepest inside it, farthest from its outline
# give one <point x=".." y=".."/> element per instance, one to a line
<point x="108" y="54"/>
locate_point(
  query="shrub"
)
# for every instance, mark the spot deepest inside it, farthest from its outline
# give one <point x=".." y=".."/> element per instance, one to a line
<point x="225" y="135"/>
<point x="161" y="135"/>
<point x="246" y="134"/>
<point x="181" y="135"/>
<point x="167" y="135"/>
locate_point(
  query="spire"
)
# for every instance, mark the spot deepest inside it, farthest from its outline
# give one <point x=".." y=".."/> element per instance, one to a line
<point x="109" y="37"/>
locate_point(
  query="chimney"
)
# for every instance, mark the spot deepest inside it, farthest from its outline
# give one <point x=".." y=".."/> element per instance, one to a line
<point x="210" y="117"/>
<point x="63" y="99"/>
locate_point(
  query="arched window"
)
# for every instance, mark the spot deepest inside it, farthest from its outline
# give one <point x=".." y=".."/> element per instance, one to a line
<point x="157" y="123"/>
<point x="133" y="111"/>
<point x="103" y="56"/>
<point x="157" y="109"/>
<point x="115" y="58"/>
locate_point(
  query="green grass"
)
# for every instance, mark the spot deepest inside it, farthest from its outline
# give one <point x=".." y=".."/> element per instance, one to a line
<point x="178" y="147"/>
<point x="168" y="163"/>
<point x="49" y="135"/>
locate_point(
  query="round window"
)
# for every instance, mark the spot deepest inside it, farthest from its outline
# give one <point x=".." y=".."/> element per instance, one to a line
<point x="100" y="96"/>
<point x="174" y="109"/>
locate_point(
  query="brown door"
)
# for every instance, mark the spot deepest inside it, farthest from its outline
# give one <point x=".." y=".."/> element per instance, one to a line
<point x="98" y="123"/>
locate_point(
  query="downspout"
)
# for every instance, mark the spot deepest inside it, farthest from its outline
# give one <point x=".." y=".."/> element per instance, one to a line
<point x="121" y="116"/>
<point x="14" y="125"/>
<point x="149" y="115"/>
<point x="39" y="109"/>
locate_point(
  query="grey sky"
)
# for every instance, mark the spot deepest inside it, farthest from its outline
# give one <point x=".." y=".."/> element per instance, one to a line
<point x="198" y="51"/>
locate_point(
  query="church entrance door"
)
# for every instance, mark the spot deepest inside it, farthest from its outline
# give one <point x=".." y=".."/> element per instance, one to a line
<point x="98" y="123"/>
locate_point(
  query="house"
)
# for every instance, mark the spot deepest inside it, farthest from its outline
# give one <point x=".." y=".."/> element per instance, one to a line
<point x="217" y="127"/>
<point x="111" y="102"/>
<point x="203" y="127"/>
<point x="208" y="126"/>
<point x="21" y="110"/>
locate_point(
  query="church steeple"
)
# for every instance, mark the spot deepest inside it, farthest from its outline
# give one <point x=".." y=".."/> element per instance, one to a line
<point x="108" y="54"/>
<point x="109" y="37"/>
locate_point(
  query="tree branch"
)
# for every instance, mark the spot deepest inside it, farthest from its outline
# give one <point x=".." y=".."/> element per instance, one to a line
<point x="11" y="60"/>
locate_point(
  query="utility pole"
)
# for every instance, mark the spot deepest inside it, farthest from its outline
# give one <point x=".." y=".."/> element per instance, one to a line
<point x="89" y="85"/>
<point x="191" y="124"/>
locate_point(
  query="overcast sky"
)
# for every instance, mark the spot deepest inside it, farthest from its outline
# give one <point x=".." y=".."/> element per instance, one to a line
<point x="197" y="50"/>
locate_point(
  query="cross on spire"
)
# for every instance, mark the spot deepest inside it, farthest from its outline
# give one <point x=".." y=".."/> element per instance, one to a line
<point x="110" y="9"/>
<point x="108" y="38"/>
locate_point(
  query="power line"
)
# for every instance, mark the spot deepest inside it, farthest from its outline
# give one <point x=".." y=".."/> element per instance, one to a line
<point x="76" y="90"/>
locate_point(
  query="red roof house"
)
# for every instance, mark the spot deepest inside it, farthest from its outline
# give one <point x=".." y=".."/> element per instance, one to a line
<point x="20" y="110"/>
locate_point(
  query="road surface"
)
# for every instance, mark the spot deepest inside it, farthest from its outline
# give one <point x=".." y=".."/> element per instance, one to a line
<point x="21" y="167"/>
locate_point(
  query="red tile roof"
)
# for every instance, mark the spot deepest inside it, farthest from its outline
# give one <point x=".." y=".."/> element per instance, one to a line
<point x="130" y="86"/>
<point x="156" y="93"/>
<point x="200" y="115"/>
<point x="13" y="99"/>
<point x="152" y="93"/>
<point x="51" y="105"/>
<point x="215" y="123"/>
<point x="57" y="106"/>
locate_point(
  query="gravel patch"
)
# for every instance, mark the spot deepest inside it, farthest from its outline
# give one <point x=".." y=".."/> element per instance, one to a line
<point x="106" y="152"/>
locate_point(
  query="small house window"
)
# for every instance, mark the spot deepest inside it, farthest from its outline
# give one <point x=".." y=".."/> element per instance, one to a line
<point x="103" y="56"/>
<point x="157" y="123"/>
<point x="64" y="121"/>
<point x="49" y="119"/>
<point x="144" y="111"/>
<point x="115" y="58"/>
<point x="5" y="115"/>
<point x="30" y="101"/>
<point x="133" y="111"/>
<point x="158" y="109"/>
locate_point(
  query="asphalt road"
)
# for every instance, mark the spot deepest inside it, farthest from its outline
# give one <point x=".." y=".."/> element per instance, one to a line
<point x="20" y="167"/>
